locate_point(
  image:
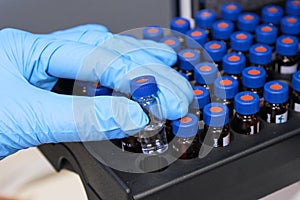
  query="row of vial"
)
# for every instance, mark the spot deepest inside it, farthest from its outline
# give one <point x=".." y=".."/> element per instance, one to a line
<point x="209" y="120"/>
<point x="235" y="95"/>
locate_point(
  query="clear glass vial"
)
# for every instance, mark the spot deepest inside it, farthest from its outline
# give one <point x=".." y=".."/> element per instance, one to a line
<point x="245" y="121"/>
<point x="153" y="137"/>
<point x="216" y="129"/>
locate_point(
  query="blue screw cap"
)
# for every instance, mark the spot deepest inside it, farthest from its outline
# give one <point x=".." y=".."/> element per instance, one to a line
<point x="276" y="92"/>
<point x="201" y="97"/>
<point x="216" y="49"/>
<point x="234" y="63"/>
<point x="205" y="18"/>
<point x="266" y="34"/>
<point x="95" y="89"/>
<point x="272" y="14"/>
<point x="195" y="38"/>
<point x="254" y="77"/>
<point x="154" y="33"/>
<point x="296" y="81"/>
<point x="222" y="29"/>
<point x="292" y="7"/>
<point x="143" y="86"/>
<point x="216" y="114"/>
<point x="246" y="103"/>
<point x="225" y="87"/>
<point x="247" y="21"/>
<point x="290" y="25"/>
<point x="241" y="41"/>
<point x="205" y="73"/>
<point x="188" y="58"/>
<point x="185" y="127"/>
<point x="287" y="45"/>
<point x="173" y="42"/>
<point x="231" y="11"/>
<point x="260" y="54"/>
<point x="180" y="26"/>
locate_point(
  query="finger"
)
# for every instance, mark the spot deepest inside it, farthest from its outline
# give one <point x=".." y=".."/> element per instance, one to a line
<point x="35" y="116"/>
<point x="92" y="34"/>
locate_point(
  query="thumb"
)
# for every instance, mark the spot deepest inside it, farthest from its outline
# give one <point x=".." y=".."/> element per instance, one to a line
<point x="44" y="117"/>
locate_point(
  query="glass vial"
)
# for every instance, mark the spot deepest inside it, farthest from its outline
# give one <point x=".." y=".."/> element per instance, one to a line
<point x="233" y="65"/>
<point x="216" y="125"/>
<point x="245" y="121"/>
<point x="205" y="74"/>
<point x="230" y="11"/>
<point x="195" y="39"/>
<point x="225" y="88"/>
<point x="267" y="34"/>
<point x="247" y="21"/>
<point x="204" y="19"/>
<point x="272" y="14"/>
<point x="254" y="79"/>
<point x="201" y="98"/>
<point x="187" y="59"/>
<point x="261" y="55"/>
<point x="295" y="98"/>
<point x="292" y="7"/>
<point x="155" y="33"/>
<point x="240" y="42"/>
<point x="286" y="59"/>
<point x="221" y="30"/>
<point x="179" y="27"/>
<point x="96" y="89"/>
<point x="215" y="50"/>
<point x="276" y="94"/>
<point x="186" y="142"/>
<point x="153" y="137"/>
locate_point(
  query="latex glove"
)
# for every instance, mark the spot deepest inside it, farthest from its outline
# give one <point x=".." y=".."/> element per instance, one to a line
<point x="32" y="115"/>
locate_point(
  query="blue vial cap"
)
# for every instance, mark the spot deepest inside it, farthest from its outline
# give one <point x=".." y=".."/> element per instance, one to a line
<point x="95" y="89"/>
<point x="180" y="25"/>
<point x="185" y="127"/>
<point x="216" y="49"/>
<point x="222" y="29"/>
<point x="143" y="86"/>
<point x="188" y="58"/>
<point x="272" y="14"/>
<point x="247" y="21"/>
<point x="241" y="41"/>
<point x="225" y="87"/>
<point x="260" y="54"/>
<point x="266" y="34"/>
<point x="276" y="92"/>
<point x="296" y="81"/>
<point x="292" y="7"/>
<point x="233" y="63"/>
<point x="215" y="114"/>
<point x="205" y="18"/>
<point x="287" y="45"/>
<point x="254" y="77"/>
<point x="231" y="11"/>
<point x="195" y="38"/>
<point x="290" y="25"/>
<point x="173" y="42"/>
<point x="154" y="33"/>
<point x="205" y="73"/>
<point x="246" y="103"/>
<point x="201" y="97"/>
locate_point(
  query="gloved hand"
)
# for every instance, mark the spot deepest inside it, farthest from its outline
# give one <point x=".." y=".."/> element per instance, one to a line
<point x="31" y="64"/>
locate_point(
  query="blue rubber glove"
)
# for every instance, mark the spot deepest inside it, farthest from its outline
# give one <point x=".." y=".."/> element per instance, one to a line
<point x="31" y="65"/>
